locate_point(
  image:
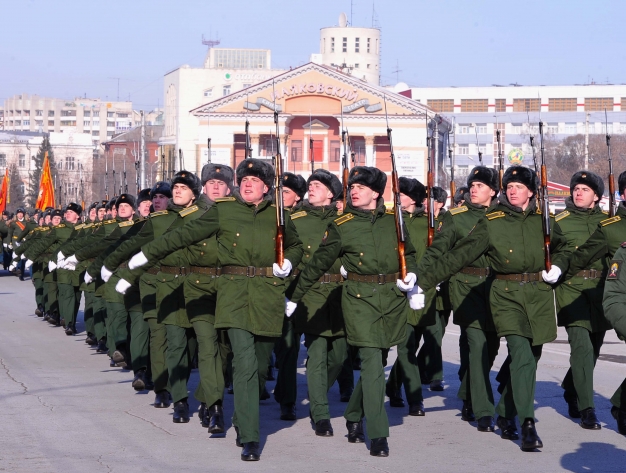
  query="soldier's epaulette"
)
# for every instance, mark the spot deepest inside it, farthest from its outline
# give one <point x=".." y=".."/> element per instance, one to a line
<point x="128" y="223"/>
<point x="190" y="210"/>
<point x="88" y="225"/>
<point x="61" y="225"/>
<point x="611" y="220"/>
<point x="160" y="212"/>
<point x="298" y="215"/>
<point x="562" y="215"/>
<point x="107" y="222"/>
<point x="493" y="215"/>
<point x="390" y="211"/>
<point x="343" y="219"/>
<point x="224" y="199"/>
<point x="605" y="212"/>
<point x="458" y="210"/>
<point x="78" y="227"/>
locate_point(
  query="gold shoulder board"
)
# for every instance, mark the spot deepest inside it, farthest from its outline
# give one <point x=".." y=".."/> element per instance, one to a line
<point x="160" y="212"/>
<point x="611" y="220"/>
<point x="458" y="210"/>
<point x="78" y="227"/>
<point x="605" y="212"/>
<point x="61" y="225"/>
<point x="127" y="224"/>
<point x="343" y="219"/>
<point x="494" y="215"/>
<point x="390" y="211"/>
<point x="298" y="215"/>
<point x="89" y="225"/>
<point x="561" y="215"/>
<point x="107" y="222"/>
<point x="225" y="199"/>
<point x="190" y="210"/>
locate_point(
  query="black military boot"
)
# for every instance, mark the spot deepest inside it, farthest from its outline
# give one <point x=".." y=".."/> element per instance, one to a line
<point x="265" y="395"/>
<point x="70" y="330"/>
<point x="203" y="415"/>
<point x="485" y="424"/>
<point x="355" y="432"/>
<point x="181" y="412"/>
<point x="119" y="357"/>
<point x="91" y="339"/>
<point x="216" y="419"/>
<point x="39" y="311"/>
<point x="417" y="409"/>
<point x="102" y="346"/>
<point x="395" y="398"/>
<point x="530" y="438"/>
<point x="238" y="437"/>
<point x="572" y="407"/>
<point x="620" y="416"/>
<point x="46" y="316"/>
<point x="589" y="420"/>
<point x="379" y="447"/>
<point x="467" y="412"/>
<point x="508" y="428"/>
<point x="288" y="411"/>
<point x="162" y="400"/>
<point x="270" y="374"/>
<point x="139" y="382"/>
<point x="251" y="452"/>
<point x="323" y="428"/>
<point x="345" y="395"/>
<point x="436" y="385"/>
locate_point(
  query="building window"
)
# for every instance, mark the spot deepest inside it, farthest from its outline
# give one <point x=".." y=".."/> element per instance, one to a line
<point x="26" y="123"/>
<point x="332" y="45"/>
<point x="368" y="44"/>
<point x="526" y="105"/>
<point x="50" y="122"/>
<point x="356" y="66"/>
<point x="464" y="129"/>
<point x="3" y="160"/>
<point x="51" y="113"/>
<point x="335" y="152"/>
<point x="474" y="105"/>
<point x="208" y="92"/>
<point x="296" y="150"/>
<point x="68" y="113"/>
<point x="95" y="133"/>
<point x="86" y="113"/>
<point x="241" y="59"/>
<point x="344" y="46"/>
<point x="96" y="123"/>
<point x="245" y="86"/>
<point x="481" y="128"/>
<point x="69" y="163"/>
<point x="71" y="190"/>
<point x="516" y="128"/>
<point x="39" y="122"/>
<point x="226" y="90"/>
<point x="562" y="105"/>
<point x="122" y="115"/>
<point x="368" y="66"/>
<point x="598" y="104"/>
<point x="22" y="188"/>
<point x="441" y="105"/>
<point x="22" y="161"/>
<point x="27" y="113"/>
<point x="357" y="45"/>
<point x="553" y="128"/>
<point x="111" y="124"/>
<point x="606" y="130"/>
<point x="39" y="113"/>
<point x="86" y="123"/>
<point x="270" y="147"/>
<point x="18" y="122"/>
<point x="570" y="128"/>
<point x="68" y="122"/>
<point x="110" y="114"/>
<point x="463" y="149"/>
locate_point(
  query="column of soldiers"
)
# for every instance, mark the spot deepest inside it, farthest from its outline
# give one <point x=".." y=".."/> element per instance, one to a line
<point x="185" y="274"/>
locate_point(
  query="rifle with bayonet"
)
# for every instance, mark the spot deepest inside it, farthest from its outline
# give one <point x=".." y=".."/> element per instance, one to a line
<point x="397" y="206"/>
<point x="612" y="207"/>
<point x="430" y="181"/>
<point x="180" y="158"/>
<point x="311" y="152"/>
<point x="480" y="153"/>
<point x="278" y="189"/>
<point x="545" y="204"/>
<point x="125" y="181"/>
<point x="344" y="162"/>
<point x="500" y="159"/>
<point x="106" y="177"/>
<point x="451" y="157"/>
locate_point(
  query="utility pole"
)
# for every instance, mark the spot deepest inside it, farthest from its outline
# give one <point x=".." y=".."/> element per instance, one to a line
<point x="586" y="164"/>
<point x="142" y="152"/>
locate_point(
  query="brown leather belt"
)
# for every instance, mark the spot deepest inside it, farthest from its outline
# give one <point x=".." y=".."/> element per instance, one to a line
<point x="123" y="265"/>
<point x="374" y="278"/>
<point x="326" y="278"/>
<point x="177" y="270"/>
<point x="249" y="271"/>
<point x="523" y="277"/>
<point x="483" y="272"/>
<point x="591" y="274"/>
<point x="207" y="270"/>
<point x="154" y="271"/>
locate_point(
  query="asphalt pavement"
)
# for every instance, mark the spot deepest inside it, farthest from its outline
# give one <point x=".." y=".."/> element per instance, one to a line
<point x="63" y="409"/>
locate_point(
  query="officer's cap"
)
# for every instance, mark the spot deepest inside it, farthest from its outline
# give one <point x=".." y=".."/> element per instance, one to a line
<point x="460" y="195"/>
<point x="218" y="171"/>
<point x="487" y="176"/>
<point x="189" y="179"/>
<point x="440" y="195"/>
<point x="162" y="188"/>
<point x="296" y="183"/>
<point x="413" y="188"/>
<point x="368" y="176"/>
<point x="257" y="168"/>
<point x="520" y="174"/>
<point x="329" y="180"/>
<point x="587" y="178"/>
<point x="621" y="182"/>
<point x="126" y="199"/>
<point x="56" y="213"/>
<point x="74" y="207"/>
<point x="143" y="195"/>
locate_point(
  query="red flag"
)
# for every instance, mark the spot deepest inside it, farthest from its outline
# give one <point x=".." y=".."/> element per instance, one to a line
<point x="46" y="188"/>
<point x="4" y="192"/>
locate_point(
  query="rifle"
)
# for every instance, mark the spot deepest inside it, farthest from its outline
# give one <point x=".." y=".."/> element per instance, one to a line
<point x="312" y="157"/>
<point x="480" y="154"/>
<point x="452" y="183"/>
<point x="397" y="207"/>
<point x="280" y="204"/>
<point x="545" y="204"/>
<point x="344" y="163"/>
<point x="500" y="158"/>
<point x="180" y="158"/>
<point x="125" y="181"/>
<point x="612" y="209"/>
<point x="106" y="178"/>
<point x="208" y="145"/>
<point x="248" y="150"/>
<point x="431" y="184"/>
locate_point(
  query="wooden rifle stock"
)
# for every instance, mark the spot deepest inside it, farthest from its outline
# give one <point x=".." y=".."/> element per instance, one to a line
<point x="611" y="195"/>
<point x="545" y="204"/>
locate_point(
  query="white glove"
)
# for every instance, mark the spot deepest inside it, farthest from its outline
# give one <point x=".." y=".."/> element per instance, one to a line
<point x="12" y="266"/>
<point x="137" y="261"/>
<point x="105" y="273"/>
<point x="28" y="264"/>
<point x="52" y="266"/>
<point x="17" y="244"/>
<point x="60" y="260"/>
<point x="408" y="283"/>
<point x="284" y="271"/>
<point x="70" y="263"/>
<point x="290" y="307"/>
<point x="343" y="272"/>
<point x="417" y="299"/>
<point x="6" y="245"/>
<point x="122" y="286"/>
<point x="551" y="276"/>
<point x="22" y="256"/>
<point x="88" y="279"/>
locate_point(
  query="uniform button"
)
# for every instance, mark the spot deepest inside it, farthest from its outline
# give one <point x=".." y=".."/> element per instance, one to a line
<point x="234" y="244"/>
<point x="202" y="252"/>
<point x="359" y="263"/>
<point x="309" y="246"/>
<point x="507" y="261"/>
<point x="307" y="256"/>
<point x="361" y="254"/>
<point x="274" y="283"/>
<point x="237" y="234"/>
<point x="197" y="282"/>
<point x="203" y="244"/>
<point x="506" y="288"/>
<point x="576" y="247"/>
<point x="358" y="295"/>
<point x="510" y="251"/>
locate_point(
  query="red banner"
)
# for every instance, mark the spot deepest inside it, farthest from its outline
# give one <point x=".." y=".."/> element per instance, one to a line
<point x="46" y="187"/>
<point x="4" y="192"/>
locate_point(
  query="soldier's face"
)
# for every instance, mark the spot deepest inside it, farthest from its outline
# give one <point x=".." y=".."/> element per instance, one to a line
<point x="182" y="195"/>
<point x="407" y="203"/>
<point x="113" y="212"/>
<point x="20" y="216"/>
<point x="363" y="197"/>
<point x="92" y="214"/>
<point x="339" y="205"/>
<point x="159" y="202"/>
<point x="71" y="216"/>
<point x="144" y="208"/>
<point x="47" y="220"/>
<point x="41" y="222"/>
<point x="252" y="189"/>
<point x="518" y="194"/>
<point x="56" y="220"/>
<point x="290" y="197"/>
<point x="481" y="194"/>
<point x="216" y="189"/>
<point x="584" y="196"/>
<point x="319" y="194"/>
<point x="101" y="213"/>
<point x="125" y="210"/>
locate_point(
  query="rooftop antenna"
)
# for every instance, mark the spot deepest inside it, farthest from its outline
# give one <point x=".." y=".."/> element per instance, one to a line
<point x="397" y="71"/>
<point x="211" y="43"/>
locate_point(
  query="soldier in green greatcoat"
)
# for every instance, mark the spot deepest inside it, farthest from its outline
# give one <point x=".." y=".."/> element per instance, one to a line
<point x="319" y="315"/>
<point x="521" y="298"/>
<point x="373" y="302"/>
<point x="579" y="298"/>
<point x="251" y="288"/>
<point x="614" y="304"/>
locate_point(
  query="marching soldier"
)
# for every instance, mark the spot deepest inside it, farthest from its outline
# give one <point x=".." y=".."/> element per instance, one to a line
<point x="373" y="304"/>
<point x="579" y="299"/>
<point x="250" y="298"/>
<point x="521" y="302"/>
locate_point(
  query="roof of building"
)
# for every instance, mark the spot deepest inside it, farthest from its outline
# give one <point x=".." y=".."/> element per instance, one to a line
<point x="153" y="134"/>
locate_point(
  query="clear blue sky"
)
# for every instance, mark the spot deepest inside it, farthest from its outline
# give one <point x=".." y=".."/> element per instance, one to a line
<point x="68" y="48"/>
